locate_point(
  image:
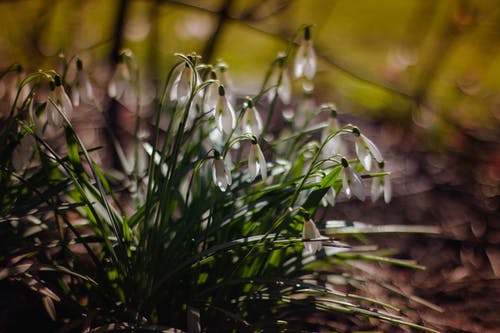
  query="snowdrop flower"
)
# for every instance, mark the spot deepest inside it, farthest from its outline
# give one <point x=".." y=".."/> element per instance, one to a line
<point x="220" y="173"/>
<point x="305" y="59"/>
<point x="256" y="161"/>
<point x="335" y="145"/>
<point x="211" y="95"/>
<point x="280" y="81"/>
<point x="331" y="196"/>
<point x="82" y="88"/>
<point x="352" y="182"/>
<point x="311" y="232"/>
<point x="58" y="102"/>
<point x="381" y="185"/>
<point x="251" y="122"/>
<point x="182" y="84"/>
<point x="365" y="149"/>
<point x="123" y="76"/>
<point x="226" y="81"/>
<point x="224" y="113"/>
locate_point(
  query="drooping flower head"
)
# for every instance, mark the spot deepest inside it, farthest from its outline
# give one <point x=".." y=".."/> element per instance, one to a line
<point x="226" y="81"/>
<point x="256" y="161"/>
<point x="224" y="113"/>
<point x="351" y="181"/>
<point x="381" y="185"/>
<point x="58" y="103"/>
<point x="211" y="93"/>
<point x="305" y="59"/>
<point x="365" y="149"/>
<point x="311" y="237"/>
<point x="123" y="76"/>
<point x="183" y="83"/>
<point x="335" y="145"/>
<point x="280" y="81"/>
<point x="220" y="173"/>
<point x="251" y="122"/>
<point x="82" y="88"/>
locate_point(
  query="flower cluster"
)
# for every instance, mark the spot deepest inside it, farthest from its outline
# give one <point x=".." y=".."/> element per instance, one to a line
<point x="203" y="90"/>
<point x="201" y="103"/>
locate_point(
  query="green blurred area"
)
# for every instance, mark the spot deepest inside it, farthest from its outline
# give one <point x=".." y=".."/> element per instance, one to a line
<point x="428" y="65"/>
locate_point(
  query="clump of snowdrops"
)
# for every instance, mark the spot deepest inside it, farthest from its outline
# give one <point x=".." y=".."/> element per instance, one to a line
<point x="211" y="225"/>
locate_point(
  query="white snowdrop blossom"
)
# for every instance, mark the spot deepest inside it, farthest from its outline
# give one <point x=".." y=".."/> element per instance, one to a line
<point x="220" y="173"/>
<point x="224" y="113"/>
<point x="82" y="88"/>
<point x="352" y="182"/>
<point x="365" y="149"/>
<point x="381" y="185"/>
<point x="123" y="76"/>
<point x="256" y="161"/>
<point x="305" y="59"/>
<point x="182" y="84"/>
<point x="311" y="232"/>
<point x="335" y="145"/>
<point x="252" y="122"/>
<point x="226" y="81"/>
<point x="120" y="81"/>
<point x="280" y="82"/>
<point x="58" y="102"/>
<point x="331" y="196"/>
<point x="211" y="96"/>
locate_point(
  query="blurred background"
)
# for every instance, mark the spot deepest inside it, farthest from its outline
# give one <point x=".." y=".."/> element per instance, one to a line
<point x="422" y="78"/>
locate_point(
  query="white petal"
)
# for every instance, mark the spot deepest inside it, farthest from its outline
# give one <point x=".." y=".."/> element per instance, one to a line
<point x="252" y="164"/>
<point x="75" y="96"/>
<point x="228" y="118"/>
<point x="66" y="105"/>
<point x="310" y="61"/>
<point x="229" y="179"/>
<point x="363" y="154"/>
<point x="387" y="189"/>
<point x="219" y="175"/>
<point x="211" y="96"/>
<point x="356" y="184"/>
<point x="310" y="231"/>
<point x="86" y="91"/>
<point x="372" y="148"/>
<point x="257" y="123"/>
<point x="330" y="196"/>
<point x="345" y="183"/>
<point x="112" y="90"/>
<point x="376" y="189"/>
<point x="285" y="88"/>
<point x="262" y="162"/>
<point x="300" y="60"/>
<point x="53" y="116"/>
<point x="174" y="87"/>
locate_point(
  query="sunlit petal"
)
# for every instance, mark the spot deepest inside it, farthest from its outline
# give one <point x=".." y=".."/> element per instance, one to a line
<point x="372" y="148"/>
<point x="376" y="189"/>
<point x="252" y="164"/>
<point x="262" y="161"/>
<point x="363" y="153"/>
<point x="310" y="231"/>
<point x="387" y="189"/>
<point x="356" y="184"/>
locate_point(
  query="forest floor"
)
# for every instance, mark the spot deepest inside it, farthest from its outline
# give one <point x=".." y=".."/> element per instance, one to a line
<point x="456" y="189"/>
